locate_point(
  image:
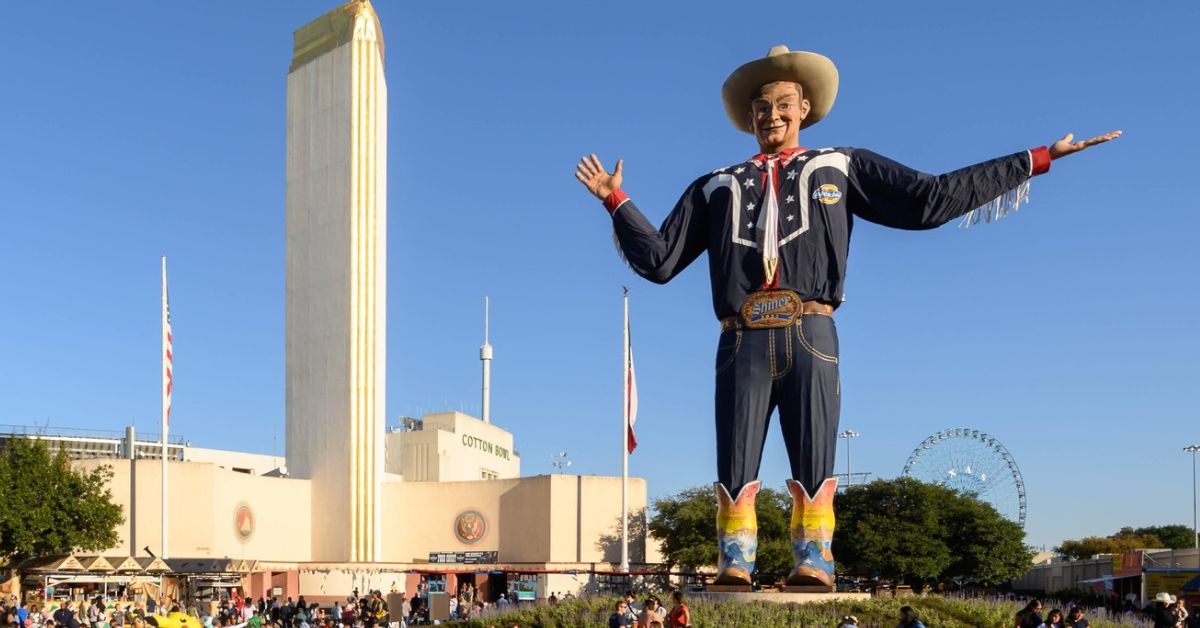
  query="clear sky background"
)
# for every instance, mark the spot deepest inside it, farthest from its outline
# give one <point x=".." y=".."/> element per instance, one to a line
<point x="1067" y="331"/>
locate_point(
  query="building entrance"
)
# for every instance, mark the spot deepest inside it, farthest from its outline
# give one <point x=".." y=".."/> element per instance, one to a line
<point x="497" y="583"/>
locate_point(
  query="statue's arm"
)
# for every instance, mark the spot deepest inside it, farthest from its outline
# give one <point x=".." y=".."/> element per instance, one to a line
<point x="889" y="193"/>
<point x="892" y="194"/>
<point x="657" y="254"/>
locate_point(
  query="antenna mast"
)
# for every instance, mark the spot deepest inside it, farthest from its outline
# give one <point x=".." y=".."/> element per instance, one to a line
<point x="485" y="356"/>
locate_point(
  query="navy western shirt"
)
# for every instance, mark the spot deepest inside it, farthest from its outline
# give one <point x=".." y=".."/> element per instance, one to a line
<point x="819" y="193"/>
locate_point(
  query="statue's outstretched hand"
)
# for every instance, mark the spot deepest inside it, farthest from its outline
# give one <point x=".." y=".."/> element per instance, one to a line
<point x="1065" y="146"/>
<point x="593" y="176"/>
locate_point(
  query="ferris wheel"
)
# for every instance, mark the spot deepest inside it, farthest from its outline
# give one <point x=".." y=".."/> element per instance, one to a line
<point x="971" y="461"/>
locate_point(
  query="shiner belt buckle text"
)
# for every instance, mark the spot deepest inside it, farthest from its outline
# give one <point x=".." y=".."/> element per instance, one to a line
<point x="771" y="309"/>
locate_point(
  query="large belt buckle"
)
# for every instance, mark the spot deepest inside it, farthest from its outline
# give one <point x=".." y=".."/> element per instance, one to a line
<point x="771" y="309"/>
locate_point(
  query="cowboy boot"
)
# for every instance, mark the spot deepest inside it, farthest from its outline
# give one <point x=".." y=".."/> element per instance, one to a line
<point x="737" y="534"/>
<point x="812" y="534"/>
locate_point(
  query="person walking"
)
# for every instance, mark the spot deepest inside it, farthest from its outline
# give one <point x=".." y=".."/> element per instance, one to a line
<point x="1075" y="618"/>
<point x="1161" y="614"/>
<point x="651" y="611"/>
<point x="680" y="616"/>
<point x="622" y="617"/>
<point x="1054" y="619"/>
<point x="909" y="618"/>
<point x="1030" y="616"/>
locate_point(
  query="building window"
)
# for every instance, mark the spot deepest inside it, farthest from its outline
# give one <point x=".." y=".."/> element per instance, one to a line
<point x="613" y="584"/>
<point x="488" y="474"/>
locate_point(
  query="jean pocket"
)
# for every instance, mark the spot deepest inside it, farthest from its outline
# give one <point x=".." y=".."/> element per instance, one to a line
<point x="727" y="348"/>
<point x="818" y="336"/>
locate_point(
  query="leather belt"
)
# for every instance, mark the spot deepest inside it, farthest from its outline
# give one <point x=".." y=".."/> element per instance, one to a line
<point x="806" y="308"/>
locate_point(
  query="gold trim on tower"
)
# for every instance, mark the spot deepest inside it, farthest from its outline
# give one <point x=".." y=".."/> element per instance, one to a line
<point x="355" y="20"/>
<point x="364" y="287"/>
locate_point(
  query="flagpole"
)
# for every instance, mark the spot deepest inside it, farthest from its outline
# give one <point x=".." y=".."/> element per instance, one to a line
<point x="165" y="407"/>
<point x="625" y="445"/>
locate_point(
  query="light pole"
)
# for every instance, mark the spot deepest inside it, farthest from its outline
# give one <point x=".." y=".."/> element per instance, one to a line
<point x="848" y="434"/>
<point x="1192" y="449"/>
<point x="559" y="461"/>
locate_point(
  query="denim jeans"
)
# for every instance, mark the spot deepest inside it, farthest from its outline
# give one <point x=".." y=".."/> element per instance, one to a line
<point x="794" y="369"/>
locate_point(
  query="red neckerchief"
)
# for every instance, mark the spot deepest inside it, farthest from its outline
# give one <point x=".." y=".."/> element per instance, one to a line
<point x="786" y="155"/>
<point x="785" y="158"/>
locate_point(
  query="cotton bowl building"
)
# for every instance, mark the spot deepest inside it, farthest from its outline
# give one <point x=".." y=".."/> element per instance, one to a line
<point x="352" y="505"/>
<point x="240" y="519"/>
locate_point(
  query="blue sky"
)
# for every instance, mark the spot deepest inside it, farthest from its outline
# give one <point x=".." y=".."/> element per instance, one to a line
<point x="137" y="129"/>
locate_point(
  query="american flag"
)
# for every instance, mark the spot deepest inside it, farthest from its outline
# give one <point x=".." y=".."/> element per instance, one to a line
<point x="168" y="364"/>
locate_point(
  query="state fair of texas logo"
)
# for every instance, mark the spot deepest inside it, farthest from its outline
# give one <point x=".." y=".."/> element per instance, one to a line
<point x="243" y="522"/>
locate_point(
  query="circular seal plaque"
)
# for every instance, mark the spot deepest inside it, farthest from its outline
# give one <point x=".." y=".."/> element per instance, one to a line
<point x="243" y="522"/>
<point x="470" y="527"/>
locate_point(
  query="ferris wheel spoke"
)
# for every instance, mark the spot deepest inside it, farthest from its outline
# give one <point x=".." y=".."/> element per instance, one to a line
<point x="971" y="461"/>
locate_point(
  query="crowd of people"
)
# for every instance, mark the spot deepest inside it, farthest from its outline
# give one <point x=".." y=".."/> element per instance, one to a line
<point x="652" y="613"/>
<point x="93" y="613"/>
<point x="372" y="611"/>
<point x="1166" y="611"/>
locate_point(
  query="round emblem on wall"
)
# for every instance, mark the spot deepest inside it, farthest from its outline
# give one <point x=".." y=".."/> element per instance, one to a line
<point x="243" y="522"/>
<point x="470" y="527"/>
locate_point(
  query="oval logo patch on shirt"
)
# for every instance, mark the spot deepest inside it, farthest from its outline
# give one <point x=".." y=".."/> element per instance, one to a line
<point x="827" y="194"/>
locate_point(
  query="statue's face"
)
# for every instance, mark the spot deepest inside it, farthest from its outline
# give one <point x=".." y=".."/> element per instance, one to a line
<point x="775" y="116"/>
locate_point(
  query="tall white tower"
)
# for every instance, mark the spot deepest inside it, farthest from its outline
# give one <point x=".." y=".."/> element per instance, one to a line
<point x="336" y="282"/>
<point x="485" y="356"/>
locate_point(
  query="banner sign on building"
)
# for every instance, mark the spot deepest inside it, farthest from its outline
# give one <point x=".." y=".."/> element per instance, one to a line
<point x="1127" y="564"/>
<point x="1169" y="581"/>
<point x="463" y="558"/>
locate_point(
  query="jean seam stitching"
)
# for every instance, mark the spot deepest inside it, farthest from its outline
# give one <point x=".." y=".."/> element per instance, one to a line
<point x="804" y="342"/>
<point x="771" y="351"/>
<point x="737" y="344"/>
<point x="788" y="349"/>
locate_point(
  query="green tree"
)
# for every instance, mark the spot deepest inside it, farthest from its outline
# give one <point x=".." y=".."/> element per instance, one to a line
<point x="686" y="526"/>
<point x="907" y="530"/>
<point x="901" y="529"/>
<point x="1127" y="539"/>
<point x="1089" y="546"/>
<point x="50" y="508"/>
<point x="988" y="547"/>
<point x="1171" y="536"/>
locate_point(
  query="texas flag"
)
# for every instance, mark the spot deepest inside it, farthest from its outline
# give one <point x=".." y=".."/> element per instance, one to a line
<point x="631" y="395"/>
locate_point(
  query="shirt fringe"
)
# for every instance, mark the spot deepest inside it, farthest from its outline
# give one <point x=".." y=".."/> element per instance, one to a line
<point x="620" y="253"/>
<point x="998" y="207"/>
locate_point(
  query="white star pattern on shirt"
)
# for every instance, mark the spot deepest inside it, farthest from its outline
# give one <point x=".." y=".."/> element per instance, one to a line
<point x="750" y="207"/>
<point x="740" y="170"/>
<point x="802" y="158"/>
<point x="749" y="225"/>
<point x="790" y="199"/>
<point x="791" y="217"/>
<point x="749" y="183"/>
<point x="791" y="174"/>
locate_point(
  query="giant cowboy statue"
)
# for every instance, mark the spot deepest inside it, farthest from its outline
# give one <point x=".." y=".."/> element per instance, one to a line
<point x="777" y="231"/>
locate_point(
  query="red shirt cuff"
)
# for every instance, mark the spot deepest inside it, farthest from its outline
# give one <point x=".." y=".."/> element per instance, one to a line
<point x="614" y="200"/>
<point x="1041" y="161"/>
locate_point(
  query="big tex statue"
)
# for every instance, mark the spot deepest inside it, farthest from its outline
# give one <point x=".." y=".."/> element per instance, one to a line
<point x="776" y="228"/>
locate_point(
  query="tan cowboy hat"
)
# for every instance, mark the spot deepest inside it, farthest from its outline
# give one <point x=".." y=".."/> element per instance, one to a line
<point x="815" y="73"/>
